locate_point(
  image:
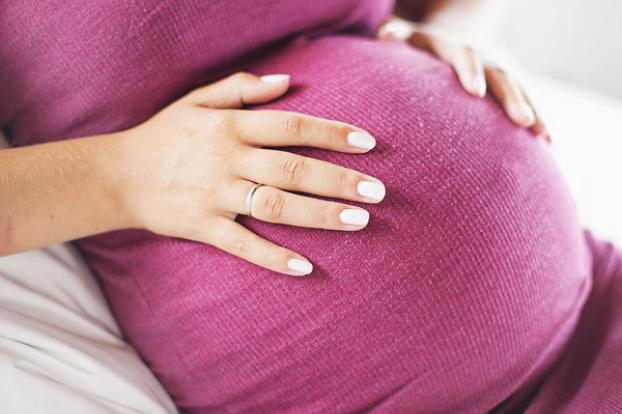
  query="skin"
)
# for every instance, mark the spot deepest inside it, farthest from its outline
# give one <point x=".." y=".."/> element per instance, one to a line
<point x="448" y="29"/>
<point x="187" y="171"/>
<point x="204" y="155"/>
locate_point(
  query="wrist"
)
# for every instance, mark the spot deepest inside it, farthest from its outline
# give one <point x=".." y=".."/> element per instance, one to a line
<point x="115" y="169"/>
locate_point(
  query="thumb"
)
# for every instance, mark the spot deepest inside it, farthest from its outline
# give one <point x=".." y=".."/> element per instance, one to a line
<point x="238" y="90"/>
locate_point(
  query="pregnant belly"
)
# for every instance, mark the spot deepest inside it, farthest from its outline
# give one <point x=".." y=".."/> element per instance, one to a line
<point x="459" y="294"/>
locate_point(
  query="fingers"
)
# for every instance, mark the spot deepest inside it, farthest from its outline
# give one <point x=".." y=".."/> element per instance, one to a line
<point x="511" y="97"/>
<point x="538" y="128"/>
<point x="236" y="239"/>
<point x="464" y="60"/>
<point x="273" y="205"/>
<point x="279" y="128"/>
<point x="297" y="173"/>
<point x="470" y="70"/>
<point x="238" y="90"/>
<point x="476" y="77"/>
<point x="515" y="102"/>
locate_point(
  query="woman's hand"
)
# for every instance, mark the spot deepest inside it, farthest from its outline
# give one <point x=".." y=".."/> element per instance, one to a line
<point x="474" y="75"/>
<point x="191" y="167"/>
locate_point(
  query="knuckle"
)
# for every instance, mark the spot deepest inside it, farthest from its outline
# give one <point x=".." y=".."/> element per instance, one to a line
<point x="293" y="124"/>
<point x="337" y="133"/>
<point x="200" y="227"/>
<point x="292" y="169"/>
<point x="273" y="204"/>
<point x="241" y="77"/>
<point x="193" y="94"/>
<point x="239" y="246"/>
<point x="221" y="120"/>
<point x="470" y="50"/>
<point x="498" y="72"/>
<point x="343" y="181"/>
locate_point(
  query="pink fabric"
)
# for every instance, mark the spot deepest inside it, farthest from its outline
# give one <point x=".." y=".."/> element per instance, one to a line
<point x="587" y="378"/>
<point x="470" y="291"/>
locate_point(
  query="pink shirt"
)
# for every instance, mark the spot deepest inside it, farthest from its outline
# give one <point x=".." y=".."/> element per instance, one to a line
<point x="472" y="289"/>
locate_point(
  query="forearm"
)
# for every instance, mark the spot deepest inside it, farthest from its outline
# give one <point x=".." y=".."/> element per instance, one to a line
<point x="60" y="191"/>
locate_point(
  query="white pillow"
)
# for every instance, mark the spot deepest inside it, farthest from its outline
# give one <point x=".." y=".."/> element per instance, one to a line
<point x="60" y="348"/>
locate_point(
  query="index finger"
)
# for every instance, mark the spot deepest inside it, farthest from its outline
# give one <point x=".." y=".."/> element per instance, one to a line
<point x="272" y="128"/>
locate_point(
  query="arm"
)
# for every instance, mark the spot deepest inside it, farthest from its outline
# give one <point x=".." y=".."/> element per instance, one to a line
<point x="188" y="172"/>
<point x="60" y="191"/>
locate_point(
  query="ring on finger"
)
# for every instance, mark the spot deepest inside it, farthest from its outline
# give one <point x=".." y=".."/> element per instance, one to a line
<point x="249" y="199"/>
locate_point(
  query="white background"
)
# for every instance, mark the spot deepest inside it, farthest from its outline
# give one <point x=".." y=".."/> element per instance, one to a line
<point x="576" y="40"/>
<point x="573" y="55"/>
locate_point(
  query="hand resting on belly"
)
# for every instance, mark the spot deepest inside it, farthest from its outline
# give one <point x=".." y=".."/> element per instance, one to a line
<point x="464" y="286"/>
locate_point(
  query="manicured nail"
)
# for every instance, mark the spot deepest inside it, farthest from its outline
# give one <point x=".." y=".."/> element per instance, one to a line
<point x="370" y="189"/>
<point x="396" y="30"/>
<point x="274" y="78"/>
<point x="479" y="83"/>
<point x="361" y="140"/>
<point x="300" y="266"/>
<point x="545" y="136"/>
<point x="354" y="216"/>
<point x="528" y="113"/>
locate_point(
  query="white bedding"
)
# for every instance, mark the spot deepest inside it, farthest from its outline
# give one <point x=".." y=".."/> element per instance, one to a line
<point x="61" y="351"/>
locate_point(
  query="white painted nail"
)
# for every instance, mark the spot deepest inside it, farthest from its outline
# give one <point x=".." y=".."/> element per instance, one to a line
<point x="361" y="140"/>
<point x="528" y="113"/>
<point x="274" y="78"/>
<point x="300" y="266"/>
<point x="396" y="30"/>
<point x="480" y="85"/>
<point x="354" y="216"/>
<point x="370" y="189"/>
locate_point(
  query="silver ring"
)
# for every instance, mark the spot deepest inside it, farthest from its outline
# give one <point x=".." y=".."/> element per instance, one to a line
<point x="249" y="199"/>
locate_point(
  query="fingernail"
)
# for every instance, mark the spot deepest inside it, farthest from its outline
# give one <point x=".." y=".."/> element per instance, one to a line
<point x="545" y="137"/>
<point x="370" y="189"/>
<point x="274" y="78"/>
<point x="361" y="140"/>
<point x="354" y="216"/>
<point x="480" y="84"/>
<point x="396" y="30"/>
<point x="300" y="266"/>
<point x="528" y="113"/>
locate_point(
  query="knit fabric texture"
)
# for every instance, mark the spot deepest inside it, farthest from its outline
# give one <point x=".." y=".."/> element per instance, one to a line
<point x="472" y="290"/>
